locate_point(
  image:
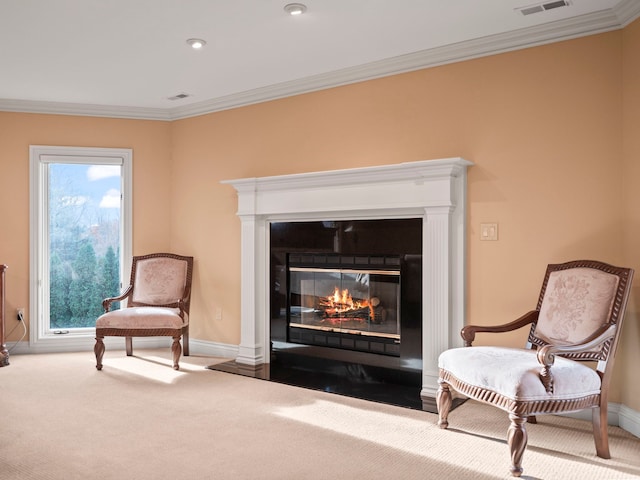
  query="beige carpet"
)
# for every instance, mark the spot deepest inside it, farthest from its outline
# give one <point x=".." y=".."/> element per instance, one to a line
<point x="139" y="419"/>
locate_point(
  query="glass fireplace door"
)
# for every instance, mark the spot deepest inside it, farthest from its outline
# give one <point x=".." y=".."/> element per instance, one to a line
<point x="350" y="301"/>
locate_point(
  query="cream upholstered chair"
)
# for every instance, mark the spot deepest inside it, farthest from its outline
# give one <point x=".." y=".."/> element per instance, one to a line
<point x="158" y="298"/>
<point x="578" y="319"/>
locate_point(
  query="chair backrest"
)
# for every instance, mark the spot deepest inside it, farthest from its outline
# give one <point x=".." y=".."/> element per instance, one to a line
<point x="161" y="279"/>
<point x="578" y="299"/>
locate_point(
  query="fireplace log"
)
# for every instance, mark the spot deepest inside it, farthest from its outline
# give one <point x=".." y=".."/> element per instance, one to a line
<point x="362" y="313"/>
<point x="379" y="315"/>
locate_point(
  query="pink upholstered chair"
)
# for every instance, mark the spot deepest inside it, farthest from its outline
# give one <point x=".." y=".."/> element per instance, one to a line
<point x="158" y="298"/>
<point x="578" y="319"/>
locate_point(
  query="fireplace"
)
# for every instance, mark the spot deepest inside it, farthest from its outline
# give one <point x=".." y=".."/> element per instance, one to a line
<point x="286" y="284"/>
<point x="346" y="306"/>
<point x="347" y="291"/>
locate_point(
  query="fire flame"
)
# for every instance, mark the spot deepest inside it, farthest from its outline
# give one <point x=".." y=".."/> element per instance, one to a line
<point x="341" y="302"/>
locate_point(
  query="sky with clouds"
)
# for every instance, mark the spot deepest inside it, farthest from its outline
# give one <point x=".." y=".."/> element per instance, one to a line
<point x="94" y="187"/>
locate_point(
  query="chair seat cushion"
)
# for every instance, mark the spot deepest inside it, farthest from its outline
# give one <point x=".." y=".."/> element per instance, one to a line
<point x="141" y="318"/>
<point x="515" y="373"/>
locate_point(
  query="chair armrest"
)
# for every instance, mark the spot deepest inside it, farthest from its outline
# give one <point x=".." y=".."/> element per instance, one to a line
<point x="547" y="354"/>
<point x="468" y="332"/>
<point x="106" y="303"/>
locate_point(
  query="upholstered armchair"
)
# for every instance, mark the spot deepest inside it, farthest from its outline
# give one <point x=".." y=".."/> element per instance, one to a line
<point x="577" y="322"/>
<point x="158" y="299"/>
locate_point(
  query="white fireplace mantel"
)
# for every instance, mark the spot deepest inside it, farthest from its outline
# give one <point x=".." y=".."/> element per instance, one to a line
<point x="434" y="190"/>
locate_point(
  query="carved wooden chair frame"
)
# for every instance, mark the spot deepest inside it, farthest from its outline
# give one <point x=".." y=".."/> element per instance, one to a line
<point x="182" y="305"/>
<point x="599" y="348"/>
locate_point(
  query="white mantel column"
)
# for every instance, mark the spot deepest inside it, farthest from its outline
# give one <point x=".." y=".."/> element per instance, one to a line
<point x="436" y="292"/>
<point x="251" y="348"/>
<point x="254" y="280"/>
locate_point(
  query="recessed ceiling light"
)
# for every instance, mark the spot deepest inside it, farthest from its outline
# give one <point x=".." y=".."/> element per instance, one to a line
<point x="196" y="43"/>
<point x="295" y="8"/>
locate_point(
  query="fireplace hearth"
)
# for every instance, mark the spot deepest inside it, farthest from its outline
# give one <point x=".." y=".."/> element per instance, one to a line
<point x="275" y="338"/>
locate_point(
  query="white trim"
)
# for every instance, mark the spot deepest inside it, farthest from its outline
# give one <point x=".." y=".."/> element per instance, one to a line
<point x="627" y="11"/>
<point x="81" y="343"/>
<point x="598" y="22"/>
<point x="629" y="420"/>
<point x="432" y="190"/>
<point x="618" y="415"/>
<point x="88" y="110"/>
<point x="39" y="339"/>
<point x="197" y="347"/>
<point x="214" y="349"/>
<point x="612" y="414"/>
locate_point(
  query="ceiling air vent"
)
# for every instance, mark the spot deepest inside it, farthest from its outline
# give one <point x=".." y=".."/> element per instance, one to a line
<point x="180" y="96"/>
<point x="542" y="7"/>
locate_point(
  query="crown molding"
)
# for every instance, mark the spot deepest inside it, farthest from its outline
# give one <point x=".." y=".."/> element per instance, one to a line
<point x="83" y="109"/>
<point x="627" y="11"/>
<point x="590" y="24"/>
<point x="598" y="22"/>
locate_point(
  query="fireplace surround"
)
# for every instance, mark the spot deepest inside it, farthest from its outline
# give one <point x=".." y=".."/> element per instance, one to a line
<point x="433" y="191"/>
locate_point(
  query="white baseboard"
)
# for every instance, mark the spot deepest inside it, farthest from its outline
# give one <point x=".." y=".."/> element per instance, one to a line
<point x="223" y="350"/>
<point x="618" y="415"/>
<point x="82" y="344"/>
<point x="629" y="420"/>
<point x="85" y="344"/>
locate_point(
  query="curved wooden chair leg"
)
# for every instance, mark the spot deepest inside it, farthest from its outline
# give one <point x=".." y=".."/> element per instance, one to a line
<point x="600" y="431"/>
<point x="185" y="341"/>
<point x="98" y="349"/>
<point x="177" y="350"/>
<point x="443" y="402"/>
<point x="517" y="438"/>
<point x="129" y="344"/>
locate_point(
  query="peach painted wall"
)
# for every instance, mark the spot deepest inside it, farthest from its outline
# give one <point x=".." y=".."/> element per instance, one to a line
<point x="150" y="141"/>
<point x="630" y="348"/>
<point x="543" y="126"/>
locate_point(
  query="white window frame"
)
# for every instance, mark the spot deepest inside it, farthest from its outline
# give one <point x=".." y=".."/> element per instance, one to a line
<point x="41" y="337"/>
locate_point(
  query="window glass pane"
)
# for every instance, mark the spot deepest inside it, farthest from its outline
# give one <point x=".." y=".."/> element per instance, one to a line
<point x="84" y="237"/>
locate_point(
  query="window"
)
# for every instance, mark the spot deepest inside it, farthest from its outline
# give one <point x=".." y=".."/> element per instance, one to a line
<point x="80" y="237"/>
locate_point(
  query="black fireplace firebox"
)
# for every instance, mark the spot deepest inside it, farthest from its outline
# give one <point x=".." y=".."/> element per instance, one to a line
<point x="346" y="307"/>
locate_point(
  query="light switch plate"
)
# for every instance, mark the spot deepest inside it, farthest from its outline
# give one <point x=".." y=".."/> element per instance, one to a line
<point x="488" y="231"/>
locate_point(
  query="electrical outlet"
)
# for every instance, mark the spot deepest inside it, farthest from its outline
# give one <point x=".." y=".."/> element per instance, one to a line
<point x="20" y="314"/>
<point x="218" y="313"/>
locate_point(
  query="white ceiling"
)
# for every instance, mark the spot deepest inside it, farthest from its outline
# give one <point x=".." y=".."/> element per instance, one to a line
<point x="125" y="58"/>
